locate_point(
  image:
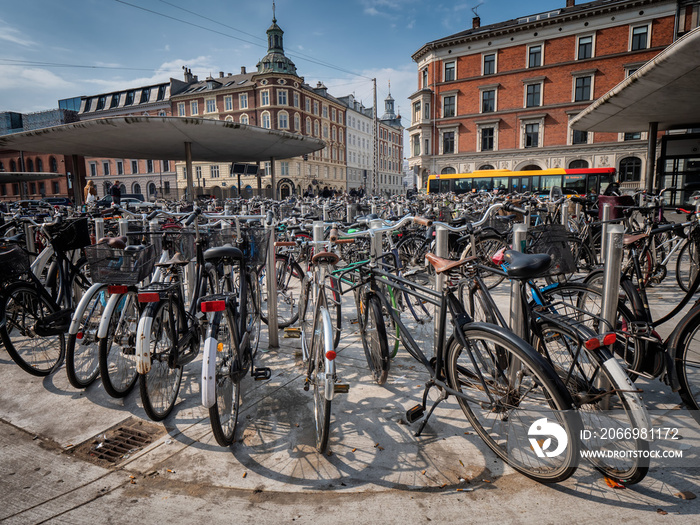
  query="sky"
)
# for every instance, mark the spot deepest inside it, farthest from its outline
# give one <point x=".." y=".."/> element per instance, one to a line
<point x="50" y="50"/>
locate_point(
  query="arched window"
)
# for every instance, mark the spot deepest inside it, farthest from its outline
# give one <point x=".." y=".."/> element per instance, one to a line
<point x="151" y="188"/>
<point x="308" y="126"/>
<point x="447" y="171"/>
<point x="106" y="187"/>
<point x="229" y="119"/>
<point x="122" y="187"/>
<point x="39" y="165"/>
<point x="136" y="188"/>
<point x="266" y="120"/>
<point x="630" y="169"/>
<point x="530" y="167"/>
<point x="486" y="167"/>
<point x="30" y="165"/>
<point x="578" y="164"/>
<point x="53" y="165"/>
<point x="282" y="120"/>
<point x="244" y="119"/>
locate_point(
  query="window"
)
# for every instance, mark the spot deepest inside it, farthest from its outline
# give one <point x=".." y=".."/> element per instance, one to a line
<point x="101" y="103"/>
<point x="39" y="165"/>
<point x="416" y="145"/>
<point x="166" y="165"/>
<point x="93" y="169"/>
<point x="579" y="137"/>
<point x="115" y="101"/>
<point x="424" y="78"/>
<point x="194" y="108"/>
<point x="266" y="120"/>
<point x="244" y="119"/>
<point x="487" y="139"/>
<point x="88" y="103"/>
<point x="136" y="188"/>
<point x="632" y="136"/>
<point x="29" y="165"/>
<point x="534" y="56"/>
<point x="448" y="106"/>
<point x="282" y="97"/>
<point x="214" y="169"/>
<point x="532" y="135"/>
<point x="145" y="95"/>
<point x="149" y="166"/>
<point x="307" y="104"/>
<point x="198" y="171"/>
<point x="582" y="88"/>
<point x="243" y="101"/>
<point x="448" y="142"/>
<point x="297" y="122"/>
<point x="134" y="166"/>
<point x="228" y="103"/>
<point x="130" y="95"/>
<point x="105" y="167"/>
<point x="325" y="131"/>
<point x="296" y="100"/>
<point x="284" y="169"/>
<point x="426" y="110"/>
<point x="585" y="47"/>
<point x="181" y="109"/>
<point x="315" y="107"/>
<point x="630" y="169"/>
<point x="489" y="64"/>
<point x="316" y="129"/>
<point x="325" y="111"/>
<point x="265" y="98"/>
<point x="488" y="101"/>
<point x="211" y="105"/>
<point x="53" y="165"/>
<point x="450" y="71"/>
<point x="166" y="187"/>
<point x="533" y="95"/>
<point x="161" y="92"/>
<point x="283" y="120"/>
<point x="639" y="38"/>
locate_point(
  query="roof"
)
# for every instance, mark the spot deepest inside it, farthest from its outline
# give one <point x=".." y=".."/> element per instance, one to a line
<point x="664" y="90"/>
<point x="164" y="138"/>
<point x="21" y="176"/>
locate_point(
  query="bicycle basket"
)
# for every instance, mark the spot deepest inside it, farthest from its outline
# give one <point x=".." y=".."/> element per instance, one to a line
<point x="182" y="241"/>
<point x="552" y="239"/>
<point x="70" y="234"/>
<point x="256" y="241"/>
<point x="14" y="262"/>
<point x="120" y="266"/>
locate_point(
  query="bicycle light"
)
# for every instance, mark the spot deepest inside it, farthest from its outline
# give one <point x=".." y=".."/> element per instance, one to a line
<point x="213" y="306"/>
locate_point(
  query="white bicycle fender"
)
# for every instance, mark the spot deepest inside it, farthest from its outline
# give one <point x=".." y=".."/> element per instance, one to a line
<point x="143" y="345"/>
<point x="107" y="315"/>
<point x="636" y="404"/>
<point x="209" y="372"/>
<point x="80" y="309"/>
<point x="329" y="389"/>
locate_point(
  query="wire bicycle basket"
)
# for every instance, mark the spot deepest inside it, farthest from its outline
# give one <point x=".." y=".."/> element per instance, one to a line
<point x="14" y="261"/>
<point x="552" y="239"/>
<point x="129" y="265"/>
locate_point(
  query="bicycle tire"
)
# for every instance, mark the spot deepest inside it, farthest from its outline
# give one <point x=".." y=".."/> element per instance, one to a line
<point x="334" y="305"/>
<point x="307" y="309"/>
<point x="474" y="302"/>
<point x="322" y="337"/>
<point x="686" y="343"/>
<point x="25" y="307"/>
<point x="597" y="408"/>
<point x="687" y="265"/>
<point x="289" y="279"/>
<point x="253" y="318"/>
<point x="117" y="354"/>
<point x="223" y="415"/>
<point x="486" y="248"/>
<point x="83" y="347"/>
<point x="374" y="337"/>
<point x="159" y="388"/>
<point x="526" y="397"/>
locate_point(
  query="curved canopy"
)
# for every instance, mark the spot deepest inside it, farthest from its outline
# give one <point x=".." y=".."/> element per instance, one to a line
<point x="163" y="138"/>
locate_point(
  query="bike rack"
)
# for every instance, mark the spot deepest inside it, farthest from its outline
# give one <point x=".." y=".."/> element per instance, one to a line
<point x="517" y="316"/>
<point x="271" y="273"/>
<point x="441" y="250"/>
<point x="607" y="210"/>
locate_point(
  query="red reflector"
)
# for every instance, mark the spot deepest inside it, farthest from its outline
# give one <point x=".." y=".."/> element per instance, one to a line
<point x="117" y="289"/>
<point x="213" y="306"/>
<point x="593" y="343"/>
<point x="609" y="339"/>
<point x="149" y="297"/>
<point x="330" y="355"/>
<point x="79" y="335"/>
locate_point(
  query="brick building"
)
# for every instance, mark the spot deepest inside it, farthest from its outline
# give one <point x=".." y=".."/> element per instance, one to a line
<point x="502" y="95"/>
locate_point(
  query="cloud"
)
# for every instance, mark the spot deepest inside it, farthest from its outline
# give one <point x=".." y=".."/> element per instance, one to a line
<point x="23" y="77"/>
<point x="10" y="34"/>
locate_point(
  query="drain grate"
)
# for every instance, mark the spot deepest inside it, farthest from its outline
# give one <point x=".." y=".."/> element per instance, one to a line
<point x="120" y="442"/>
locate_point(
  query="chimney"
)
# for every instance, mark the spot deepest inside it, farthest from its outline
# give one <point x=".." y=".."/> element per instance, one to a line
<point x="221" y="74"/>
<point x="242" y="70"/>
<point x="476" y="21"/>
<point x="188" y="74"/>
<point x="570" y="3"/>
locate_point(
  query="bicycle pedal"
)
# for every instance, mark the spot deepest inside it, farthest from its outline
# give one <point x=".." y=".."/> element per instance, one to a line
<point x="306" y="384"/>
<point x="415" y="413"/>
<point x="262" y="374"/>
<point x="341" y="388"/>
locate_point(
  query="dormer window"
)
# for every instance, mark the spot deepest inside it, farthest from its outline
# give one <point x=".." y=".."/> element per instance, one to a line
<point x="129" y="98"/>
<point x="145" y="95"/>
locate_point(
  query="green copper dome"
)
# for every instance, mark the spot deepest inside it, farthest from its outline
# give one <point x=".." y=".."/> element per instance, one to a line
<point x="275" y="61"/>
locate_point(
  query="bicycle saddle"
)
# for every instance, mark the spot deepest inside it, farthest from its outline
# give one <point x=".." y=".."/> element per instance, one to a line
<point x="322" y="257"/>
<point x="526" y="265"/>
<point x="223" y="252"/>
<point x="175" y="260"/>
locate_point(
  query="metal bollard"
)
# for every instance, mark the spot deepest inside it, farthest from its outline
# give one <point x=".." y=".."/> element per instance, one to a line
<point x="99" y="229"/>
<point x="304" y="210"/>
<point x="123" y="227"/>
<point x="517" y="316"/>
<point x="325" y="212"/>
<point x="376" y="246"/>
<point x="348" y="213"/>
<point x="607" y="209"/>
<point x="441" y="250"/>
<point x="271" y="277"/>
<point x="226" y="233"/>
<point x="374" y="209"/>
<point x="565" y="215"/>
<point x="29" y="238"/>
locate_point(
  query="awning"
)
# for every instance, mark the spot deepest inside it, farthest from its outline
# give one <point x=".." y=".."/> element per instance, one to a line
<point x="163" y="138"/>
<point x="664" y="90"/>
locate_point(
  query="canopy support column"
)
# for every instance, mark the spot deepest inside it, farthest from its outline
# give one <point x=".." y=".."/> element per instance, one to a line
<point x="189" y="192"/>
<point x="651" y="157"/>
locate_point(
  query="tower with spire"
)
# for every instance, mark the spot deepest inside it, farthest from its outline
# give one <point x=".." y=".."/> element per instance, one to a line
<point x="389" y="117"/>
<point x="275" y="61"/>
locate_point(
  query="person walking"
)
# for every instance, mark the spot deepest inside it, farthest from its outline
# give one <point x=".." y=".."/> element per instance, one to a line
<point x="116" y="192"/>
<point x="90" y="192"/>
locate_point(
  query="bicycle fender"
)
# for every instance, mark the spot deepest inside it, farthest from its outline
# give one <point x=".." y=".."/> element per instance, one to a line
<point x="328" y="382"/>
<point x="82" y="306"/>
<point x="143" y="344"/>
<point x="209" y="372"/>
<point x="107" y="314"/>
<point x="623" y="382"/>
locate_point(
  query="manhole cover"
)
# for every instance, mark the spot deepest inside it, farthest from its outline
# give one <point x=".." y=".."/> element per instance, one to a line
<point x="119" y="442"/>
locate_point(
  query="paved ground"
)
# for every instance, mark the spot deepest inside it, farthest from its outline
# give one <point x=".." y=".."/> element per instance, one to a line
<point x="376" y="471"/>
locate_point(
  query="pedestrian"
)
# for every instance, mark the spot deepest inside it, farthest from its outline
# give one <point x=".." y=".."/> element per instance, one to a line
<point x="116" y="192"/>
<point x="90" y="192"/>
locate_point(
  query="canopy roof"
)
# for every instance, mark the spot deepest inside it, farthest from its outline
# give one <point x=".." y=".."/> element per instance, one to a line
<point x="21" y="176"/>
<point x="164" y="138"/>
<point x="664" y="90"/>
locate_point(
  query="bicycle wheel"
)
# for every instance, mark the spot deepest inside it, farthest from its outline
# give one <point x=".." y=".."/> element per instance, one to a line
<point x="687" y="345"/>
<point x="505" y="404"/>
<point x="334" y="305"/>
<point x="374" y="338"/>
<point x="26" y="308"/>
<point x="289" y="279"/>
<point x="603" y="395"/>
<point x="253" y="317"/>
<point x="223" y="415"/>
<point x="83" y="348"/>
<point x="474" y="302"/>
<point x="322" y="342"/>
<point x="486" y="248"/>
<point x="307" y="309"/>
<point x="117" y="355"/>
<point x="160" y="386"/>
<point x="687" y="265"/>
<point x="412" y="250"/>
